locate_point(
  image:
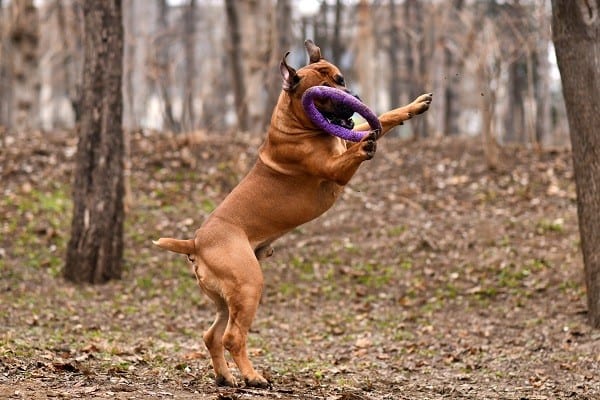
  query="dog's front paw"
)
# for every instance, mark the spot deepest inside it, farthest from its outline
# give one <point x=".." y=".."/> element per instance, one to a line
<point x="368" y="144"/>
<point x="421" y="104"/>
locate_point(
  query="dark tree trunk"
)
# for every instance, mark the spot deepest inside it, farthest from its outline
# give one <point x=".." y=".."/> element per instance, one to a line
<point x="188" y="116"/>
<point x="235" y="60"/>
<point x="415" y="54"/>
<point x="5" y="87"/>
<point x="514" y="122"/>
<point x="282" y="43"/>
<point x="95" y="250"/>
<point x="337" y="48"/>
<point x="576" y="36"/>
<point x="130" y="119"/>
<point x="393" y="54"/>
<point x="164" y="79"/>
<point x="451" y="97"/>
<point x="24" y="36"/>
<point x="321" y="28"/>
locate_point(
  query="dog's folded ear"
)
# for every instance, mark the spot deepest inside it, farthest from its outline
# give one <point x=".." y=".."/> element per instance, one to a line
<point x="314" y="52"/>
<point x="290" y="77"/>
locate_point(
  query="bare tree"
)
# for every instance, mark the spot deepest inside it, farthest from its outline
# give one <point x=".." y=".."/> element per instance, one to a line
<point x="68" y="71"/>
<point x="235" y="61"/>
<point x="337" y="47"/>
<point x="130" y="119"/>
<point x="163" y="65"/>
<point x="393" y="54"/>
<point x="24" y="38"/>
<point x="95" y="249"/>
<point x="488" y="72"/>
<point x="5" y="87"/>
<point x="541" y="75"/>
<point x="255" y="56"/>
<point x="281" y="42"/>
<point x="415" y="55"/>
<point x="451" y="101"/>
<point x="189" y="71"/>
<point x="576" y="36"/>
<point x="364" y="48"/>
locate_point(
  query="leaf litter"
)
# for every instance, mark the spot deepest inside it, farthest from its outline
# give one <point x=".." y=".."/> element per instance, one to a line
<point x="431" y="278"/>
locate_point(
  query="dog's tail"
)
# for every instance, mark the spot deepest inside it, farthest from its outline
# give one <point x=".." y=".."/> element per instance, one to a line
<point x="176" y="245"/>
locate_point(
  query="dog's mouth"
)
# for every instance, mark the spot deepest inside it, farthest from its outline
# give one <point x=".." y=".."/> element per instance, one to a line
<point x="340" y="115"/>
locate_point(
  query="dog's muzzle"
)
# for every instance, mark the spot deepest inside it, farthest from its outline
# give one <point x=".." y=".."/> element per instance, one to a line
<point x="340" y="115"/>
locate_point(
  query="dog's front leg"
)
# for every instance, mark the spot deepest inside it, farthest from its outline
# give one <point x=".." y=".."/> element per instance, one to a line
<point x="397" y="116"/>
<point x="340" y="168"/>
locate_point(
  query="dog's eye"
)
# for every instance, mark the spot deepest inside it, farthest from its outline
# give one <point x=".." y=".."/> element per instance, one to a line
<point x="339" y="80"/>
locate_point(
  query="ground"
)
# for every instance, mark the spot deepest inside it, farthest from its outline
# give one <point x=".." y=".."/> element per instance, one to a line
<point x="432" y="278"/>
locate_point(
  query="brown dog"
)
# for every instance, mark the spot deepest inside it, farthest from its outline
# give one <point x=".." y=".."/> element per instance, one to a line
<point x="299" y="174"/>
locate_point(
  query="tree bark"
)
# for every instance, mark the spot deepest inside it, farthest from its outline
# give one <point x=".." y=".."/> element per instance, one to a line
<point x="365" y="60"/>
<point x="164" y="79"/>
<point x="5" y="87"/>
<point x="451" y="95"/>
<point x="415" y="57"/>
<point x="394" y="56"/>
<point x="576" y="36"/>
<point x="337" y="47"/>
<point x="95" y="249"/>
<point x="130" y="119"/>
<point x="24" y="37"/>
<point x="281" y="42"/>
<point x="188" y="116"/>
<point x="235" y="60"/>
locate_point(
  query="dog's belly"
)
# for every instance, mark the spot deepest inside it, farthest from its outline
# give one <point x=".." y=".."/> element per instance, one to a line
<point x="267" y="204"/>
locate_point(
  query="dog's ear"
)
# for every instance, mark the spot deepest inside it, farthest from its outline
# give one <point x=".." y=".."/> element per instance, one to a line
<point x="289" y="75"/>
<point x="314" y="52"/>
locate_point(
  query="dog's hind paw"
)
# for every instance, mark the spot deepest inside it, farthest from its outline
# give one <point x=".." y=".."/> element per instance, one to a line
<point x="258" y="382"/>
<point x="220" y="380"/>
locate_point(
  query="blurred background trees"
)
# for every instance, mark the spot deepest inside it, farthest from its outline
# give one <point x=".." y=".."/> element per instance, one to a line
<point x="212" y="65"/>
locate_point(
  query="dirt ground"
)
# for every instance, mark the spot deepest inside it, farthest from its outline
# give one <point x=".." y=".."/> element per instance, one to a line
<point x="432" y="278"/>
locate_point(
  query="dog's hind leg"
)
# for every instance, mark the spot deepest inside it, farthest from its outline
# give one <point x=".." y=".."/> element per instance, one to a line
<point x="233" y="272"/>
<point x="242" y="309"/>
<point x="213" y="339"/>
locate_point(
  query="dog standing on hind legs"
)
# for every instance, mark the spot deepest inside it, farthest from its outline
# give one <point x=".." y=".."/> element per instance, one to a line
<point x="299" y="174"/>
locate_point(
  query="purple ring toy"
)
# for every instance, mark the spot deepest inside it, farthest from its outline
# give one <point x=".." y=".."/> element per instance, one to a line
<point x="344" y="99"/>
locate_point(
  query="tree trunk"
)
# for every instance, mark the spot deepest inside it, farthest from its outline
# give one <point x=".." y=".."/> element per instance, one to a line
<point x="130" y="119"/>
<point x="5" y="87"/>
<point x="164" y="79"/>
<point x="415" y="57"/>
<point x="451" y="95"/>
<point x="576" y="36"/>
<point x="24" y="37"/>
<point x="235" y="61"/>
<point x="281" y="42"/>
<point x="188" y="116"/>
<point x="514" y="121"/>
<point x="543" y="123"/>
<point x="95" y="250"/>
<point x="365" y="60"/>
<point x="394" y="56"/>
<point x="337" y="48"/>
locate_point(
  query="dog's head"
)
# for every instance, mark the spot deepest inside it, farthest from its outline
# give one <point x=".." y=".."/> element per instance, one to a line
<point x="318" y="72"/>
